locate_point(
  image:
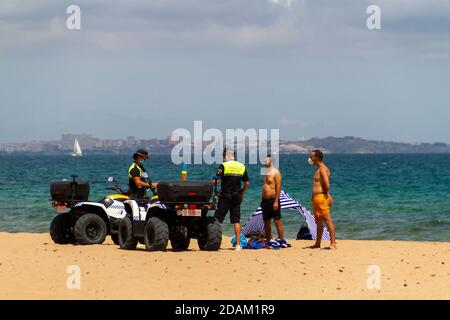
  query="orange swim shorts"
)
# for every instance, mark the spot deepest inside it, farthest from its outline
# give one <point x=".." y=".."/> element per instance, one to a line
<point x="321" y="205"/>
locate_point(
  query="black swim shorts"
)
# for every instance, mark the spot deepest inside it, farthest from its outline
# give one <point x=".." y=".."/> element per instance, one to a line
<point x="267" y="209"/>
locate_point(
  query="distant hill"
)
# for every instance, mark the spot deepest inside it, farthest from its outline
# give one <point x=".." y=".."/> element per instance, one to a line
<point x="358" y="145"/>
<point x="93" y="145"/>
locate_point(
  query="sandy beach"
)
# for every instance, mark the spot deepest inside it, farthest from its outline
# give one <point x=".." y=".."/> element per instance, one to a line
<point x="33" y="267"/>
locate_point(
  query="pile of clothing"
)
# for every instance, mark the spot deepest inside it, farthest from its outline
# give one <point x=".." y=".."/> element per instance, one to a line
<point x="258" y="241"/>
<point x="278" y="244"/>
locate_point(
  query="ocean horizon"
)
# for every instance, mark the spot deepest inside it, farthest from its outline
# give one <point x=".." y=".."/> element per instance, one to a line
<point x="377" y="196"/>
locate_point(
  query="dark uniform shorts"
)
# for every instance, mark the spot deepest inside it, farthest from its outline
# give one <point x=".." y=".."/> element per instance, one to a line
<point x="229" y="202"/>
<point x="267" y="209"/>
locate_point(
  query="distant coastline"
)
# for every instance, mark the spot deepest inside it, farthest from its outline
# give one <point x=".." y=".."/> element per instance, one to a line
<point x="340" y="145"/>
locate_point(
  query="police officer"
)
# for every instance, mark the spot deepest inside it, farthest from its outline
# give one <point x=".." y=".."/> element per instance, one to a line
<point x="137" y="176"/>
<point x="231" y="173"/>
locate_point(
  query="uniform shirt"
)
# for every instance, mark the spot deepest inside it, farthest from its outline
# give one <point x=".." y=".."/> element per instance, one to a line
<point x="231" y="183"/>
<point x="134" y="172"/>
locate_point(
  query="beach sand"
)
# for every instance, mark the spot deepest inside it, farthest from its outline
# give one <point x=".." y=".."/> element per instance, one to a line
<point x="33" y="267"/>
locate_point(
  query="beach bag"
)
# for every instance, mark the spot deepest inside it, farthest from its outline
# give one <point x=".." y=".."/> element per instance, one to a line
<point x="243" y="241"/>
<point x="304" y="234"/>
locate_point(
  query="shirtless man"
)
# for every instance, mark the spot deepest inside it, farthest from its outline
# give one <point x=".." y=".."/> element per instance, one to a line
<point x="270" y="203"/>
<point x="321" y="198"/>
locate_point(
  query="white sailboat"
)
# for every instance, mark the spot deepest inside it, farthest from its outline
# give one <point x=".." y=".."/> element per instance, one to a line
<point x="76" y="149"/>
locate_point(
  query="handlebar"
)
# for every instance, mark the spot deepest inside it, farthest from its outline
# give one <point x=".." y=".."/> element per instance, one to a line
<point x="153" y="190"/>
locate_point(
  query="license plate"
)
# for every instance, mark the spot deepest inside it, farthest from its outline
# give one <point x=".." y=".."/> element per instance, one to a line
<point x="190" y="212"/>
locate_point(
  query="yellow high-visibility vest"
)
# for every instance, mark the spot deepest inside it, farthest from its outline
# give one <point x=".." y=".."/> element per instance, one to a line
<point x="134" y="165"/>
<point x="233" y="168"/>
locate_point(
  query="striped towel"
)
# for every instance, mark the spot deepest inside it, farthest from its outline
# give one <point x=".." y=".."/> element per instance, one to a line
<point x="256" y="223"/>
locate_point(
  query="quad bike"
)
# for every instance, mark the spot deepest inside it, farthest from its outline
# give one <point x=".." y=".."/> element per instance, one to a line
<point x="82" y="221"/>
<point x="177" y="214"/>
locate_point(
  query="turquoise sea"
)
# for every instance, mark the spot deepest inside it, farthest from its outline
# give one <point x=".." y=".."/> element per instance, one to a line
<point x="403" y="197"/>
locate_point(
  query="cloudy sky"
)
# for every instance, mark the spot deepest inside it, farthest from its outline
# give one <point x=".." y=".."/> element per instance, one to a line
<point x="144" y="68"/>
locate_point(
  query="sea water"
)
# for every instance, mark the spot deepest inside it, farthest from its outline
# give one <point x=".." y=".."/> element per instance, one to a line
<point x="402" y="197"/>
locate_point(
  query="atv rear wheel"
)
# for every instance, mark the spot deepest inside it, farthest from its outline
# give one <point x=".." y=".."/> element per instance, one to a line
<point x="212" y="237"/>
<point x="180" y="244"/>
<point x="156" y="234"/>
<point x="90" y="229"/>
<point x="61" y="229"/>
<point x="127" y="240"/>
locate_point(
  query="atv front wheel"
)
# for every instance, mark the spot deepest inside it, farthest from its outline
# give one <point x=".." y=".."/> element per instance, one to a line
<point x="212" y="235"/>
<point x="90" y="229"/>
<point x="156" y="234"/>
<point x="180" y="244"/>
<point x="61" y="229"/>
<point x="127" y="240"/>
